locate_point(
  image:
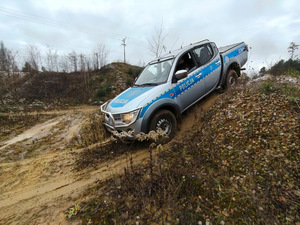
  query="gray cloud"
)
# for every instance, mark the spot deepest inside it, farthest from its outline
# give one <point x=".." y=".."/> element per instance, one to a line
<point x="268" y="26"/>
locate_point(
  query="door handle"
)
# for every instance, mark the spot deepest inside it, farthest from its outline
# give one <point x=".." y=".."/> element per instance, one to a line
<point x="198" y="75"/>
<point x="218" y="62"/>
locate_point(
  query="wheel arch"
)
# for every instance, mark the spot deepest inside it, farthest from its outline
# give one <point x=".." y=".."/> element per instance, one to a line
<point x="236" y="67"/>
<point x="166" y="106"/>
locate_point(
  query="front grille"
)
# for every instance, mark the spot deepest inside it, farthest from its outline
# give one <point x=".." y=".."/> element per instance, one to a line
<point x="117" y="117"/>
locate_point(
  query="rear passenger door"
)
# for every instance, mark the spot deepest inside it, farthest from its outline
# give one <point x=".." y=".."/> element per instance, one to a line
<point x="209" y="61"/>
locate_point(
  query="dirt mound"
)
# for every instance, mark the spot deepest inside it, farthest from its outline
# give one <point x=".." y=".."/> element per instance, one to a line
<point x="47" y="90"/>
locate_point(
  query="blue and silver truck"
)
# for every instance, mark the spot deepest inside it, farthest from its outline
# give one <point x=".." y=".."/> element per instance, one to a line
<point x="169" y="85"/>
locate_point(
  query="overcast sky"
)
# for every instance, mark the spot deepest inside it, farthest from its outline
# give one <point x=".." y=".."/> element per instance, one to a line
<point x="267" y="26"/>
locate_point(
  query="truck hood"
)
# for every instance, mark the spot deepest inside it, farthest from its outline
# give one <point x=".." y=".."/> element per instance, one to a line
<point x="131" y="99"/>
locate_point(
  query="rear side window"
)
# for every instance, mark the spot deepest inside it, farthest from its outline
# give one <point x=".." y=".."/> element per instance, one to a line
<point x="203" y="54"/>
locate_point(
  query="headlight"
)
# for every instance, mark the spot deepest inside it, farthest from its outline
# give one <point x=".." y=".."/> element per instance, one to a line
<point x="125" y="119"/>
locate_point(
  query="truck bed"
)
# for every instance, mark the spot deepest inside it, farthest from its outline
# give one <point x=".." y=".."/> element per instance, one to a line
<point x="228" y="47"/>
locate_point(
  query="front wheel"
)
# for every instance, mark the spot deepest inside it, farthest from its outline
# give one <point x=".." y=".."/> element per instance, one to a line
<point x="231" y="79"/>
<point x="166" y="121"/>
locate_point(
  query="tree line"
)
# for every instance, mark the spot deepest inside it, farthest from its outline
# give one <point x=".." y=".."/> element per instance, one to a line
<point x="20" y="71"/>
<point x="33" y="60"/>
<point x="290" y="66"/>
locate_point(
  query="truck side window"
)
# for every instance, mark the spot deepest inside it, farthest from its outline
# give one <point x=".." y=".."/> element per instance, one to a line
<point x="185" y="62"/>
<point x="204" y="53"/>
<point x="214" y="48"/>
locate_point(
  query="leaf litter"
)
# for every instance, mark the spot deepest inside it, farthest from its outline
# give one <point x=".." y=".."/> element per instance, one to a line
<point x="239" y="164"/>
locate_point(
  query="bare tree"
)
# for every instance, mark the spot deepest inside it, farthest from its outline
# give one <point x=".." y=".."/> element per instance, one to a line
<point x="83" y="70"/>
<point x="8" y="61"/>
<point x="15" y="76"/>
<point x="88" y="63"/>
<point x="156" y="44"/>
<point x="33" y="56"/>
<point x="4" y="57"/>
<point x="52" y="60"/>
<point x="292" y="48"/>
<point x="64" y="63"/>
<point x="82" y="62"/>
<point x="100" y="56"/>
<point x="72" y="56"/>
<point x="10" y="77"/>
<point x="95" y="59"/>
<point x="103" y="54"/>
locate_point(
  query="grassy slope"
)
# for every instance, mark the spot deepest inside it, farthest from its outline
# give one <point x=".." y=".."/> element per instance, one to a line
<point x="238" y="165"/>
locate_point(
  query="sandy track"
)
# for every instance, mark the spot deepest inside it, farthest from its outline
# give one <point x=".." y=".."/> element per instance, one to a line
<point x="56" y="194"/>
<point x="38" y="190"/>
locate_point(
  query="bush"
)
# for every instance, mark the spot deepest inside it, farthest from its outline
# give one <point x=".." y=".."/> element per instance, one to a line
<point x="286" y="67"/>
<point x="100" y="93"/>
<point x="268" y="87"/>
<point x="76" y="101"/>
<point x="103" y="90"/>
<point x="134" y="72"/>
<point x="291" y="92"/>
<point x="293" y="72"/>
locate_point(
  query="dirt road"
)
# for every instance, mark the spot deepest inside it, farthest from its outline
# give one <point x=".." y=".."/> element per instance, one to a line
<point x="40" y="188"/>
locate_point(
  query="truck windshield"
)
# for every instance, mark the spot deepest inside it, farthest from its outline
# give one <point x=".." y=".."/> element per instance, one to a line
<point x="155" y="74"/>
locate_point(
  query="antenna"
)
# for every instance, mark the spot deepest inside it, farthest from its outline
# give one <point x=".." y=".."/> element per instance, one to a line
<point x="124" y="44"/>
<point x="174" y="44"/>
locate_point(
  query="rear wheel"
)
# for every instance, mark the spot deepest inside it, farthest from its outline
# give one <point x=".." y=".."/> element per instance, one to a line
<point x="166" y="121"/>
<point x="231" y="79"/>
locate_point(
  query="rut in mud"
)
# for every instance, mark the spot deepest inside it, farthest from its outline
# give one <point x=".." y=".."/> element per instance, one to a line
<point x="38" y="180"/>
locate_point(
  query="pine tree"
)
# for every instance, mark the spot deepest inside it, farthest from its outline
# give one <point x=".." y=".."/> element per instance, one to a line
<point x="292" y="48"/>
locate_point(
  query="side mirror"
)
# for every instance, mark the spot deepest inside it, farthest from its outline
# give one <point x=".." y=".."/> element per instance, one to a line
<point x="180" y="74"/>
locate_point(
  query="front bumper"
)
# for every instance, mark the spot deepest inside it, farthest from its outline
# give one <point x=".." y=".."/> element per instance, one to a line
<point x="124" y="133"/>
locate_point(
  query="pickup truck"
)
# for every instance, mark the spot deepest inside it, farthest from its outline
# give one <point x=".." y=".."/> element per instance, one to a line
<point x="169" y="85"/>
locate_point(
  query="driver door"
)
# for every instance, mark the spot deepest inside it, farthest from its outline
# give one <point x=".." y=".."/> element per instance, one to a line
<point x="188" y="90"/>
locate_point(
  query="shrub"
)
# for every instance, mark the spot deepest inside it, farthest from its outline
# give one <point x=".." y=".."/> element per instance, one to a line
<point x="286" y="67"/>
<point x="100" y="93"/>
<point x="103" y="90"/>
<point x="268" y="87"/>
<point x="291" y="92"/>
<point x="134" y="72"/>
<point x="76" y="101"/>
<point x="293" y="72"/>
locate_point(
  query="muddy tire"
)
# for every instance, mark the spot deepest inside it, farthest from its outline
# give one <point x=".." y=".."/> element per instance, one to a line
<point x="166" y="121"/>
<point x="231" y="79"/>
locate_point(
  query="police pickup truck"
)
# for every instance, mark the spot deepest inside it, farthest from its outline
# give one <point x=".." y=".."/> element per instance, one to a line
<point x="170" y="84"/>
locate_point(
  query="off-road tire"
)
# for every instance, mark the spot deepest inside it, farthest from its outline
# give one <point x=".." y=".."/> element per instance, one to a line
<point x="165" y="120"/>
<point x="231" y="79"/>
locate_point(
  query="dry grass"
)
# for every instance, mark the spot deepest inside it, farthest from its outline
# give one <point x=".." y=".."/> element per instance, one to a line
<point x="238" y="165"/>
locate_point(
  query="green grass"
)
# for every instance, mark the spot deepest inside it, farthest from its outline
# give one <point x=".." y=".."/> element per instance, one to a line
<point x="268" y="87"/>
<point x="293" y="93"/>
<point x="293" y="72"/>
